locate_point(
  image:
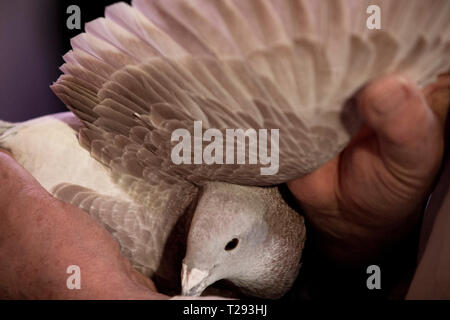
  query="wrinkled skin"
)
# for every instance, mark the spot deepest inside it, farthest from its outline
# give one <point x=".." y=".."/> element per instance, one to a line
<point x="356" y="202"/>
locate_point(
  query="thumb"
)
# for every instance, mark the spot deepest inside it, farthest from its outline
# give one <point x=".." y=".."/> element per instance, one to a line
<point x="409" y="135"/>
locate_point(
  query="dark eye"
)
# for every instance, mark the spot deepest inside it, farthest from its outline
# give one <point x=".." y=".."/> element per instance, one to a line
<point x="232" y="244"/>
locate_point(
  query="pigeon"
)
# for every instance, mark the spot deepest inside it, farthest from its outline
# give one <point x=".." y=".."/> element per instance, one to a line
<point x="152" y="232"/>
<point x="288" y="67"/>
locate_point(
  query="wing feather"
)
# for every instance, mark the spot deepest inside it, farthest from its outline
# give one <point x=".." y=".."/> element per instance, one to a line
<point x="158" y="65"/>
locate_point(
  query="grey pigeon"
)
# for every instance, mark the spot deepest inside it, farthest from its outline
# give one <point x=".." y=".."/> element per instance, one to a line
<point x="151" y="222"/>
<point x="158" y="66"/>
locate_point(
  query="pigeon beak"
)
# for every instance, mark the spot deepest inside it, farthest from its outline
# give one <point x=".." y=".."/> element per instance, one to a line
<point x="193" y="281"/>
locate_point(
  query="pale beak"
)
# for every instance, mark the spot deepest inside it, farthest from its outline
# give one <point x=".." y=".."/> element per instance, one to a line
<point x="193" y="281"/>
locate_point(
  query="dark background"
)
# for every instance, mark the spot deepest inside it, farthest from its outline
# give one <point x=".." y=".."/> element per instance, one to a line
<point x="33" y="39"/>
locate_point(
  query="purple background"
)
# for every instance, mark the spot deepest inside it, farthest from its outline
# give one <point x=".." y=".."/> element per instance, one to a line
<point x="30" y="53"/>
<point x="33" y="39"/>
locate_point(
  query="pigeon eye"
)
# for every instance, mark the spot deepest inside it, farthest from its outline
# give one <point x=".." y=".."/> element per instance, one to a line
<point x="232" y="244"/>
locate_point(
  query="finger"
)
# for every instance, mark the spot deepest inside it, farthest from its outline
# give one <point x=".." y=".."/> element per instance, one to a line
<point x="408" y="132"/>
<point x="438" y="96"/>
<point x="15" y="182"/>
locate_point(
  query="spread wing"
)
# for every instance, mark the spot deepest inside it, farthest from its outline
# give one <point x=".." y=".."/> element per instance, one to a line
<point x="148" y="69"/>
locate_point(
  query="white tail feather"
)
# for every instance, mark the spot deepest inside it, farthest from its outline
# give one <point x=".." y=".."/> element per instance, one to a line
<point x="4" y="126"/>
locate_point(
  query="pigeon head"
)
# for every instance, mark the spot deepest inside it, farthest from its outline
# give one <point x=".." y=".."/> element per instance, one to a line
<point x="247" y="235"/>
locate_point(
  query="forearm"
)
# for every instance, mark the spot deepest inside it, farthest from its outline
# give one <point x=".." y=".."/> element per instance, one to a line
<point x="41" y="237"/>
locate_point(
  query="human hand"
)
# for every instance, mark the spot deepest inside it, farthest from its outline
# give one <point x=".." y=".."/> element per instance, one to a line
<point x="370" y="196"/>
<point x="41" y="236"/>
